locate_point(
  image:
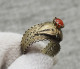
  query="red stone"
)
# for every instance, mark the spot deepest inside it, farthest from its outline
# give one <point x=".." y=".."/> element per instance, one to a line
<point x="59" y="23"/>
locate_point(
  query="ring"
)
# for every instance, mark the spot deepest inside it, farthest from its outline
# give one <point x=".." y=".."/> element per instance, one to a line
<point x="45" y="31"/>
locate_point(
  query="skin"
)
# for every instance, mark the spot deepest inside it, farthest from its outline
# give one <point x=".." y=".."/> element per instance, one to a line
<point x="40" y="32"/>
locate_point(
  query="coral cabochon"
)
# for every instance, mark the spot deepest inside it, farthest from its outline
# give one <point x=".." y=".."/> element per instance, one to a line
<point x="59" y="22"/>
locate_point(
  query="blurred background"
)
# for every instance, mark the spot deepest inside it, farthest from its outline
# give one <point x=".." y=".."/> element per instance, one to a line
<point x="19" y="15"/>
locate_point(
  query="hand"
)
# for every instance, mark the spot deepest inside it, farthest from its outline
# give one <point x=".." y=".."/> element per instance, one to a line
<point x="11" y="58"/>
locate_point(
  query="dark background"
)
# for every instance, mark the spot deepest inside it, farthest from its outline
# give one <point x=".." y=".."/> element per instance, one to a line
<point x="19" y="15"/>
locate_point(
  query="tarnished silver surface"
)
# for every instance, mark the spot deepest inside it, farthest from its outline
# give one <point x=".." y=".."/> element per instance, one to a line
<point x="40" y="32"/>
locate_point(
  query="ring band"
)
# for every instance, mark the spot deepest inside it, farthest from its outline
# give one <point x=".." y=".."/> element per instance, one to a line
<point x="40" y="32"/>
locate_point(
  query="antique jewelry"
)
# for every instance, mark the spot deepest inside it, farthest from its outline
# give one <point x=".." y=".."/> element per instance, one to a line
<point x="45" y="31"/>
